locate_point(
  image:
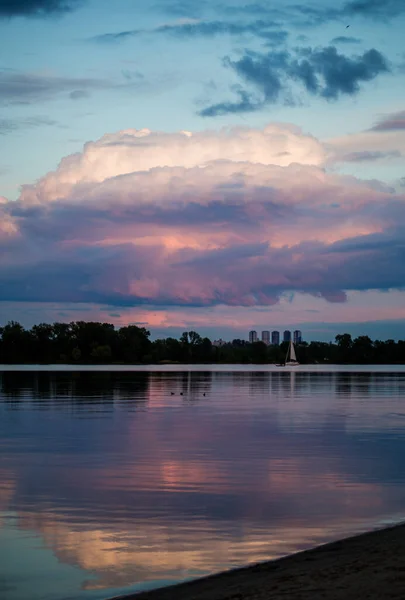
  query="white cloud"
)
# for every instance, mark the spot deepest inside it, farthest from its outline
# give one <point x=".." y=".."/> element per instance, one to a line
<point x="135" y="151"/>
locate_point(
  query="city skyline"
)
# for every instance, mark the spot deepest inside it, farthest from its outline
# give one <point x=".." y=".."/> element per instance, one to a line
<point x="276" y="336"/>
<point x="273" y="337"/>
<point x="204" y="166"/>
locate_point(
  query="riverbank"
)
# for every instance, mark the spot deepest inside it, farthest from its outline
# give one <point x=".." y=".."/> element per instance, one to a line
<point x="368" y="566"/>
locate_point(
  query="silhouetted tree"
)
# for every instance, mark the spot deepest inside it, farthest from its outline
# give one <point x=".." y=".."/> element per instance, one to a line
<point x="133" y="343"/>
<point x="93" y="342"/>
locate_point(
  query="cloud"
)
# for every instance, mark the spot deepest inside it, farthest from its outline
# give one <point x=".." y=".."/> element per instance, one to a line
<point x="309" y="16"/>
<point x="28" y="88"/>
<point x="135" y="151"/>
<point x="184" y="8"/>
<point x="317" y="15"/>
<point x="367" y="155"/>
<point x="302" y="15"/>
<point x="131" y="75"/>
<point x="393" y="122"/>
<point x="297" y="15"/>
<point x="36" y="8"/>
<point x="374" y="144"/>
<point x="237" y="217"/>
<point x="323" y="72"/>
<point x="246" y="103"/>
<point x="79" y="94"/>
<point x="375" y="8"/>
<point x="191" y="28"/>
<point x="10" y="125"/>
<point x="343" y="39"/>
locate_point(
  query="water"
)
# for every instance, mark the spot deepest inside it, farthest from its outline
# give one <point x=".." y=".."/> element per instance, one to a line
<point x="109" y="483"/>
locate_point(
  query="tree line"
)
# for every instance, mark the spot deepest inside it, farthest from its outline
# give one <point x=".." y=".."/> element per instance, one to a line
<point x="91" y="342"/>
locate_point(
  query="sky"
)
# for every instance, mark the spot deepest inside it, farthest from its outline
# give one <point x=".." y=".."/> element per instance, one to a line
<point x="217" y="166"/>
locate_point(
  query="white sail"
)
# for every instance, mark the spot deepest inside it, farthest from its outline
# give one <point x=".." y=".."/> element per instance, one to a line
<point x="292" y="352"/>
<point x="291" y="358"/>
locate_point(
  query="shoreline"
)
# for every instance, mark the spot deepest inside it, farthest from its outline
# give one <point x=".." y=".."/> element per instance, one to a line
<point x="220" y="367"/>
<point x="368" y="565"/>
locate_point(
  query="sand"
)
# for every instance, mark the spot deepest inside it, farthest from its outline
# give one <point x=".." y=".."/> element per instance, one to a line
<point x="370" y="566"/>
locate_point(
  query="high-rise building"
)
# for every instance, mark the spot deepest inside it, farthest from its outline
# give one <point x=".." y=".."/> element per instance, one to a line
<point x="287" y="336"/>
<point x="275" y="338"/>
<point x="252" y="336"/>
<point x="297" y="336"/>
<point x="266" y="337"/>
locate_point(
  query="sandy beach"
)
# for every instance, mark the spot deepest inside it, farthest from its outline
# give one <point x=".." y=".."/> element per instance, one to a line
<point x="369" y="566"/>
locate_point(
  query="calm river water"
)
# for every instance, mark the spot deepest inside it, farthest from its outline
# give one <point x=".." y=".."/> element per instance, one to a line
<point x="114" y="481"/>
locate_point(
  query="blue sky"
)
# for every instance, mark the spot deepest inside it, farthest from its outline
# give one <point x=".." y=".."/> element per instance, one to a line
<point x="72" y="72"/>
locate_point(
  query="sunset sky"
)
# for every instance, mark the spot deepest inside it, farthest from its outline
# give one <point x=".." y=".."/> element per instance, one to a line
<point x="217" y="166"/>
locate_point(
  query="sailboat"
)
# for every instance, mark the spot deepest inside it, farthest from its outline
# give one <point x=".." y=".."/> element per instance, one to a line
<point x="291" y="358"/>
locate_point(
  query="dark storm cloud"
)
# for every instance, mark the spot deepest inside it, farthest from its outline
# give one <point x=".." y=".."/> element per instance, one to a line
<point x="392" y="122"/>
<point x="323" y="72"/>
<point x="36" y="8"/>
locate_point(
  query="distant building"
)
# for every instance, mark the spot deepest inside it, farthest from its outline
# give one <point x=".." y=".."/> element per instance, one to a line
<point x="218" y="343"/>
<point x="252" y="336"/>
<point x="275" y="338"/>
<point x="287" y="336"/>
<point x="297" y="336"/>
<point x="266" y="337"/>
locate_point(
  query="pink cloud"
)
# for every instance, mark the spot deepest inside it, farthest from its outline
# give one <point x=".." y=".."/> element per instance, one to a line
<point x="143" y="218"/>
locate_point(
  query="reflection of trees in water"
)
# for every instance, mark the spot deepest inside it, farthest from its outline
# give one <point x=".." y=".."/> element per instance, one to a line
<point x="106" y="388"/>
<point x="258" y="383"/>
<point x="82" y="388"/>
<point x="131" y="388"/>
<point x="190" y="385"/>
<point x="299" y="383"/>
